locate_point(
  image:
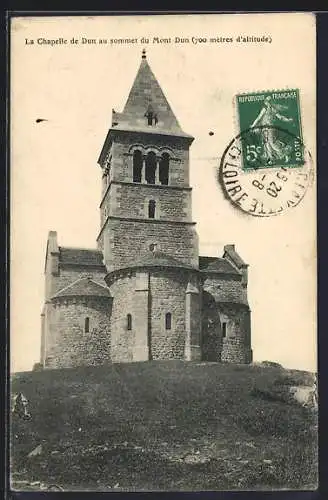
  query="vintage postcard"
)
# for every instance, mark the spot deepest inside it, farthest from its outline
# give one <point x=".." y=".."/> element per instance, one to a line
<point x="163" y="253"/>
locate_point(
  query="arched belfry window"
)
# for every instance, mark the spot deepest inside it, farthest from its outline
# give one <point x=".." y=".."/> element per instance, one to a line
<point x="129" y="322"/>
<point x="137" y="166"/>
<point x="87" y="325"/>
<point x="151" y="164"/>
<point x="168" y="321"/>
<point x="164" y="169"/>
<point x="151" y="209"/>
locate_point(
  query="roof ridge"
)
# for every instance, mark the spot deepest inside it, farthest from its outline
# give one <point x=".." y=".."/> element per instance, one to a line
<point x="80" y="248"/>
<point x="71" y="285"/>
<point x="67" y="286"/>
<point x="98" y="284"/>
<point x="211" y="257"/>
<point x="212" y="261"/>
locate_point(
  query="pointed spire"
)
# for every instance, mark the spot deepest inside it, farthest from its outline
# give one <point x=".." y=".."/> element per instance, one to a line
<point x="147" y="108"/>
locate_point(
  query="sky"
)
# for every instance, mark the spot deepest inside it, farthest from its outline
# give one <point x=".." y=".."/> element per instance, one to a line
<point x="55" y="179"/>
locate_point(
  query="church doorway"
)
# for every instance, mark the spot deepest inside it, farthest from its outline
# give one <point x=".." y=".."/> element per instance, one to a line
<point x="211" y="329"/>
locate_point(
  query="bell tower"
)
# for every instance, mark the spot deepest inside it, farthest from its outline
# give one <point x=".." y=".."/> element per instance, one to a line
<point x="146" y="195"/>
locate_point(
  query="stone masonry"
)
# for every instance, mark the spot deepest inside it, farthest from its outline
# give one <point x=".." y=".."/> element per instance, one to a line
<point x="144" y="293"/>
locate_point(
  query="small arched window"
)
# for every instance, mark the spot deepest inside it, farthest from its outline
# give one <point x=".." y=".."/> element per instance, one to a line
<point x="87" y="325"/>
<point x="164" y="169"/>
<point x="151" y="116"/>
<point x="137" y="165"/>
<point x="151" y="209"/>
<point x="168" y="321"/>
<point x="151" y="164"/>
<point x="129" y="322"/>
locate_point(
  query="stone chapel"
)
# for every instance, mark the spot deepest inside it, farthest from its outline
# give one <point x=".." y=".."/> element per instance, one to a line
<point x="144" y="293"/>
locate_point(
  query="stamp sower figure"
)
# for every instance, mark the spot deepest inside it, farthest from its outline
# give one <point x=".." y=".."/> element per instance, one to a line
<point x="274" y="149"/>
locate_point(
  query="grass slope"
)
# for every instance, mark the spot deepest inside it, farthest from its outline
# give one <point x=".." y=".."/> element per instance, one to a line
<point x="165" y="426"/>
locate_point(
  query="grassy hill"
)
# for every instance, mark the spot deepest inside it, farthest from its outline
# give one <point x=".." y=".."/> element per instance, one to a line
<point x="165" y="426"/>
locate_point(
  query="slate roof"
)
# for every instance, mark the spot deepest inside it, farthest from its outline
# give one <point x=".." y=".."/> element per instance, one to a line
<point x="81" y="257"/>
<point x="146" y="91"/>
<point x="83" y="287"/>
<point x="158" y="259"/>
<point x="217" y="265"/>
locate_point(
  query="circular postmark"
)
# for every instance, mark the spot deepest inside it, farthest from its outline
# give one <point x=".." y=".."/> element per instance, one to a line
<point x="265" y="171"/>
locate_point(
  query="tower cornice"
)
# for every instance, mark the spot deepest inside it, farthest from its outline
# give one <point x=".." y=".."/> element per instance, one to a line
<point x="143" y="131"/>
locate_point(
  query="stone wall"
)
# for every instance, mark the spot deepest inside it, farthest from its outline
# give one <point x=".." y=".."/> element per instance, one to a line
<point x="131" y="200"/>
<point x="168" y="295"/>
<point x="148" y="297"/>
<point x="68" y="274"/>
<point x="236" y="346"/>
<point x="230" y="307"/>
<point x="122" y="291"/>
<point x="51" y="264"/>
<point x="68" y="344"/>
<point x="125" y="241"/>
<point x="57" y="277"/>
<point x="225" y="288"/>
<point x="121" y="240"/>
<point x="125" y="144"/>
<point x="193" y="318"/>
<point x="211" y="339"/>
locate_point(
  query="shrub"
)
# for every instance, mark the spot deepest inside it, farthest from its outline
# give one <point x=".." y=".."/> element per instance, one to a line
<point x="37" y="367"/>
<point x="295" y="378"/>
<point x="272" y="364"/>
<point x="274" y="393"/>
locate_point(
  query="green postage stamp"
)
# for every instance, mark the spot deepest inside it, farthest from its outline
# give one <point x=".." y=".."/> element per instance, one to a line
<point x="270" y="129"/>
